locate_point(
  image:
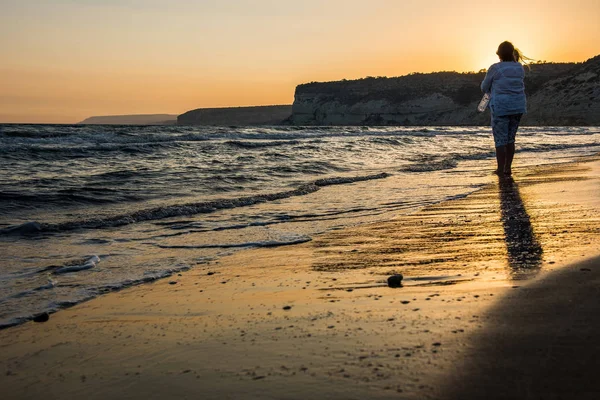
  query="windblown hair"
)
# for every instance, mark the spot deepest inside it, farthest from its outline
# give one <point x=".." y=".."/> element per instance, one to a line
<point x="508" y="52"/>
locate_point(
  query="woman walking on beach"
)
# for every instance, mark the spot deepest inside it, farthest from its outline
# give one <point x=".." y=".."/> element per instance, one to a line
<point x="504" y="81"/>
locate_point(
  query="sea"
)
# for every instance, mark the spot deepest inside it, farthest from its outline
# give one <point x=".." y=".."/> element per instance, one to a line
<point x="87" y="210"/>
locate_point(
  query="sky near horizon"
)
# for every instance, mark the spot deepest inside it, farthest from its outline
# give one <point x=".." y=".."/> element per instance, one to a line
<point x="65" y="60"/>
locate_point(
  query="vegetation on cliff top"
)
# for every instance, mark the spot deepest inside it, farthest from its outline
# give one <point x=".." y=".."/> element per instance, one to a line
<point x="463" y="88"/>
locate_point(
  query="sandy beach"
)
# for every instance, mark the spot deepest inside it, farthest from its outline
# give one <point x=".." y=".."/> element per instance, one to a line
<point x="499" y="301"/>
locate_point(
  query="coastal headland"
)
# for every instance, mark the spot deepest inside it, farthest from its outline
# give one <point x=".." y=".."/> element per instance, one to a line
<point x="498" y="301"/>
<point x="559" y="94"/>
<point x="136" y="119"/>
<point x="257" y="115"/>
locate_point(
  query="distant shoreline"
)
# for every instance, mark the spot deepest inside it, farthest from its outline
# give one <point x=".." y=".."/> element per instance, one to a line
<point x="133" y="119"/>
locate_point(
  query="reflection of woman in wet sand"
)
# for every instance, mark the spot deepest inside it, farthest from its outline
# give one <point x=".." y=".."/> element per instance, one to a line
<point x="505" y="82"/>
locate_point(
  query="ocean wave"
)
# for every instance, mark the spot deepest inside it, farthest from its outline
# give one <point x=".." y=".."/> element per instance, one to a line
<point x="260" y="144"/>
<point x="541" y="147"/>
<point x="88" y="263"/>
<point x="187" y="209"/>
<point x="22" y="229"/>
<point x="394" y="141"/>
<point x="267" y="243"/>
<point x="78" y="195"/>
<point x="434" y="165"/>
<point x="57" y="151"/>
<point x="428" y="163"/>
<point x="306" y="167"/>
<point x="88" y="294"/>
<point x="61" y="138"/>
<point x="48" y="286"/>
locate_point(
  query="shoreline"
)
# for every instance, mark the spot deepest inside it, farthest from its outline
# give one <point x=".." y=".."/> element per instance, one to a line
<point x="221" y="329"/>
<point x="354" y="183"/>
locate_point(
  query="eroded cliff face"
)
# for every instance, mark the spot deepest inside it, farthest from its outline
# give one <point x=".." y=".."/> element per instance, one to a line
<point x="433" y="109"/>
<point x="573" y="99"/>
<point x="559" y="94"/>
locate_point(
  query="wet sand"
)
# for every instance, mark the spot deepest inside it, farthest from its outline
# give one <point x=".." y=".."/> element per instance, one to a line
<point x="499" y="300"/>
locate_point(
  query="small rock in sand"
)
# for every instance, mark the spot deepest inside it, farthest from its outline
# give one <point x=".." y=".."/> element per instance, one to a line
<point x="287" y="308"/>
<point x="173" y="283"/>
<point x="42" y="317"/>
<point x="395" y="281"/>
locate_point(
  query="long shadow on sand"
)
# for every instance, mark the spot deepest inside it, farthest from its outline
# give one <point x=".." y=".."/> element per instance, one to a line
<point x="540" y="341"/>
<point x="524" y="249"/>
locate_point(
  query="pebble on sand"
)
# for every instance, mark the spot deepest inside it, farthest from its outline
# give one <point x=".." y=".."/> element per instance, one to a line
<point x="42" y="317"/>
<point x="395" y="281"/>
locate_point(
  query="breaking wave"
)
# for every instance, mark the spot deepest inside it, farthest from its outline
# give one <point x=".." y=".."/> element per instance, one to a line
<point x="180" y="210"/>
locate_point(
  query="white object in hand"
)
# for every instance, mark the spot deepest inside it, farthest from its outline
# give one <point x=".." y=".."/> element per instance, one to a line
<point x="484" y="102"/>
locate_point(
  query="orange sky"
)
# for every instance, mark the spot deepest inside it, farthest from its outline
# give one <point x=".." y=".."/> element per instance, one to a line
<point x="65" y="60"/>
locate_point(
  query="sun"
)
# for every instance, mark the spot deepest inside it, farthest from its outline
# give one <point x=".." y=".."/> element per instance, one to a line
<point x="486" y="47"/>
<point x="487" y="61"/>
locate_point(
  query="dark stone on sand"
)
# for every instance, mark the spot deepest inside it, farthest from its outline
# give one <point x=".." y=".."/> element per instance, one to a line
<point x="42" y="317"/>
<point x="210" y="273"/>
<point x="395" y="281"/>
<point x="173" y="283"/>
<point x="287" y="308"/>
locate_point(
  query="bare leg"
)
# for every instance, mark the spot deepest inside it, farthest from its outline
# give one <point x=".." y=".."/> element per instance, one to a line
<point x="500" y="159"/>
<point x="510" y="154"/>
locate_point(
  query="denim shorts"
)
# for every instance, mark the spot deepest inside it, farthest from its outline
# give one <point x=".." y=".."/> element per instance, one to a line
<point x="504" y="128"/>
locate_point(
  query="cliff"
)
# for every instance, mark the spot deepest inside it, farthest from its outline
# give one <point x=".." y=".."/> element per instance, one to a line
<point x="259" y="115"/>
<point x="573" y="99"/>
<point x="558" y="93"/>
<point x="140" y="119"/>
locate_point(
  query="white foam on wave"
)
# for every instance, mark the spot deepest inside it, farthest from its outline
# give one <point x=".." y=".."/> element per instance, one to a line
<point x="189" y="209"/>
<point x="90" y="263"/>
